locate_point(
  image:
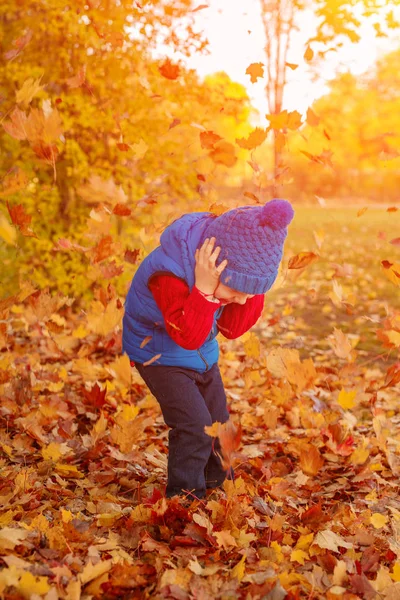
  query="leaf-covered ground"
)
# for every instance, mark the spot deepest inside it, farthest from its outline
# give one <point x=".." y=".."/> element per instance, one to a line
<point x="314" y="511"/>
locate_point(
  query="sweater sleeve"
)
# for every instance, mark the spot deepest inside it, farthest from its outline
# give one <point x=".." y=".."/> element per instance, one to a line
<point x="188" y="316"/>
<point x="236" y="319"/>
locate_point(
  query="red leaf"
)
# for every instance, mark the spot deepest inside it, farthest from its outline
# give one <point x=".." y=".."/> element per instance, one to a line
<point x="131" y="256"/>
<point x="122" y="210"/>
<point x="21" y="219"/>
<point x="123" y="147"/>
<point x="169" y="70"/>
<point x="95" y="396"/>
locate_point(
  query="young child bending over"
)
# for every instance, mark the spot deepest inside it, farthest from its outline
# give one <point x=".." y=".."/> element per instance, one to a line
<point x="208" y="275"/>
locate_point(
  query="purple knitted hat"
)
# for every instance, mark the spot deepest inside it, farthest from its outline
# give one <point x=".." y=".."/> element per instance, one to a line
<point x="251" y="239"/>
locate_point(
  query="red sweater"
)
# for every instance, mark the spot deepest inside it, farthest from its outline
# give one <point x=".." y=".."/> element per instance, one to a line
<point x="189" y="316"/>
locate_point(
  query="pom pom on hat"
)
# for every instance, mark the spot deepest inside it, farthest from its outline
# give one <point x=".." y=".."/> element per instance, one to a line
<point x="251" y="239"/>
<point x="277" y="214"/>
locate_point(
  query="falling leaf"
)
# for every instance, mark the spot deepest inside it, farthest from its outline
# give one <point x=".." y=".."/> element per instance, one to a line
<point x="30" y="88"/>
<point x="392" y="271"/>
<point x="395" y="241"/>
<point x="200" y="7"/>
<point x="255" y="70"/>
<point x="312" y="118"/>
<point x="362" y="211"/>
<point x="208" y="139"/>
<point x="152" y="359"/>
<point x="139" y="149"/>
<point x="392" y="209"/>
<point x="169" y="70"/>
<point x="7" y="231"/>
<point x="302" y="260"/>
<point x="308" y="54"/>
<point x="21" y="219"/>
<point x="256" y="138"/>
<point x="341" y="344"/>
<point x="291" y="66"/>
<point x="224" y="153"/>
<point x="285" y="120"/>
<point x="77" y="80"/>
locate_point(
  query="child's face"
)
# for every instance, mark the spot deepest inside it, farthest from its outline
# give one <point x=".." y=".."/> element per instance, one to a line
<point x="227" y="295"/>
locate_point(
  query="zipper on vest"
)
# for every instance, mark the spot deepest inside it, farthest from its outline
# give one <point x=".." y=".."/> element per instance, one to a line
<point x="203" y="359"/>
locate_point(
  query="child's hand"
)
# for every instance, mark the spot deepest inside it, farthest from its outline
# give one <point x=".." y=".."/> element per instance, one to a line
<point x="206" y="273"/>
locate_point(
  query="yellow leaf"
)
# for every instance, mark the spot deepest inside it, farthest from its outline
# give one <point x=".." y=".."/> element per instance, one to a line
<point x="129" y="412"/>
<point x="395" y="575"/>
<point x="30" y="584"/>
<point x="299" y="556"/>
<point x="378" y="520"/>
<point x="91" y="571"/>
<point x="139" y="150"/>
<point x="252" y="345"/>
<point x="29" y="89"/>
<point x="238" y="569"/>
<point x="11" y="537"/>
<point x="278" y="551"/>
<point x="66" y="515"/>
<point x="359" y="456"/>
<point x="69" y="471"/>
<point x="7" y="231"/>
<point x="304" y="541"/>
<point x="212" y="430"/>
<point x="225" y="539"/>
<point x="346" y="399"/>
<point x="121" y="370"/>
<point x="52" y="452"/>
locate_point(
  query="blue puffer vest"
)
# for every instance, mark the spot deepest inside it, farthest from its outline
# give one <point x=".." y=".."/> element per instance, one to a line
<point x="142" y="317"/>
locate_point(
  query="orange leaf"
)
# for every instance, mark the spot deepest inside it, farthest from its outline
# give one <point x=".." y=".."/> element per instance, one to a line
<point x="146" y="341"/>
<point x="301" y="260"/>
<point x="251" y="196"/>
<point x="312" y="118"/>
<point x="16" y="125"/>
<point x="152" y="359"/>
<point x="291" y="66"/>
<point x="395" y="241"/>
<point x="362" y="211"/>
<point x="21" y="219"/>
<point x="131" y="256"/>
<point x="104" y="249"/>
<point x="77" y="80"/>
<point x="392" y="209"/>
<point x="123" y="147"/>
<point x="200" y="7"/>
<point x="256" y="138"/>
<point x="224" y="153"/>
<point x="310" y="459"/>
<point x="169" y="70"/>
<point x="122" y="210"/>
<point x="255" y="70"/>
<point x="208" y="139"/>
<point x="308" y="54"/>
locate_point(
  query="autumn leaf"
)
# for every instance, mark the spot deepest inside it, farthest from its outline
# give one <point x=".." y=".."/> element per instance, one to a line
<point x="21" y="219"/>
<point x="395" y="241"/>
<point x="391" y="271"/>
<point x="200" y="7"/>
<point x="223" y="153"/>
<point x="169" y="70"/>
<point x="341" y="344"/>
<point x="285" y="120"/>
<point x="362" y="211"/>
<point x="256" y="138"/>
<point x="208" y="139"/>
<point x="308" y="54"/>
<point x="77" y="80"/>
<point x="19" y="44"/>
<point x="311" y="460"/>
<point x="331" y="541"/>
<point x="30" y="88"/>
<point x="302" y="260"/>
<point x="291" y="66"/>
<point x="346" y="399"/>
<point x="255" y="70"/>
<point x="312" y="119"/>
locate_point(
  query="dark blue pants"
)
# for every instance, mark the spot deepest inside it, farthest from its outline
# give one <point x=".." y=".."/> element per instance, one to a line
<point x="189" y="400"/>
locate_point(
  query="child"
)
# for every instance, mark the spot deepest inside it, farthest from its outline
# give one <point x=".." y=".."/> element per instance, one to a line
<point x="183" y="294"/>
